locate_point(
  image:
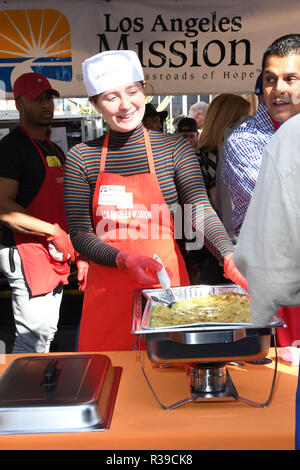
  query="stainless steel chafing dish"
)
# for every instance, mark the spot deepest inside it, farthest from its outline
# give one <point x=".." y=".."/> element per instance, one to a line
<point x="204" y="348"/>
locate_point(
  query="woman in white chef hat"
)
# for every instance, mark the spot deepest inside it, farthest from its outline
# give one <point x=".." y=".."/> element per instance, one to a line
<point x="120" y="193"/>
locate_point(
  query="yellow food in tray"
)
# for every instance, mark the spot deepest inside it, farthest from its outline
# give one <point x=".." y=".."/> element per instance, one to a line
<point x="228" y="307"/>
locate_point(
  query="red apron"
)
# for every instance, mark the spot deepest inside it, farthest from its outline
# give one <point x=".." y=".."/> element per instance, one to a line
<point x="41" y="272"/>
<point x="125" y="216"/>
<point x="286" y="336"/>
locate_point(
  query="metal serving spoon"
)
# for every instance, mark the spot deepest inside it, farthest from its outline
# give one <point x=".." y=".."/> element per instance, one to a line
<point x="168" y="296"/>
<point x="162" y="301"/>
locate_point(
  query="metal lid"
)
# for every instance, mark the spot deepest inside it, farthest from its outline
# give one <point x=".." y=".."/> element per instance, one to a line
<point x="56" y="393"/>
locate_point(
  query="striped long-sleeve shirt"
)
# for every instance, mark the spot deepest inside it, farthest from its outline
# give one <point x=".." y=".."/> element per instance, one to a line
<point x="178" y="175"/>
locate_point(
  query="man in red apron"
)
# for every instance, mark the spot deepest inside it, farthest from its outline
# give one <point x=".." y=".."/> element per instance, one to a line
<point x="35" y="250"/>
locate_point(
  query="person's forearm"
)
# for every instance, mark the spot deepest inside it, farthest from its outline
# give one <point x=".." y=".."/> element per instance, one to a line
<point x="18" y="219"/>
<point x="93" y="248"/>
<point x="208" y="226"/>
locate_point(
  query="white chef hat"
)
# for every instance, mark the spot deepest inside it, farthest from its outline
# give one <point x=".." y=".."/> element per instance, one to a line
<point x="111" y="69"/>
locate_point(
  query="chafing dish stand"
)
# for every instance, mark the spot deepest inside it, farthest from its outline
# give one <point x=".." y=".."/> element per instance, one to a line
<point x="204" y="350"/>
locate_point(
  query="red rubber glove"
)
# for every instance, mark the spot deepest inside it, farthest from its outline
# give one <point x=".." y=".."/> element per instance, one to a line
<point x="61" y="240"/>
<point x="141" y="269"/>
<point x="231" y="272"/>
<point x="82" y="270"/>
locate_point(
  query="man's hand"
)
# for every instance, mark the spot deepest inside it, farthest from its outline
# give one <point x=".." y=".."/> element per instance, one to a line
<point x="61" y="240"/>
<point x="82" y="271"/>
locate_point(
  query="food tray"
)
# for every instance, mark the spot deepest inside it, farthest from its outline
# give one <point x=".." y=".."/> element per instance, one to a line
<point x="186" y="292"/>
<point x="201" y="342"/>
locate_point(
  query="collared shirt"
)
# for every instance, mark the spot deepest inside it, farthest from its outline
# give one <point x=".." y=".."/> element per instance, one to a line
<point x="271" y="265"/>
<point x="243" y="152"/>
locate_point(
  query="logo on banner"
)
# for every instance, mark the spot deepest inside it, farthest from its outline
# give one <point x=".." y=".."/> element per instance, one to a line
<point x="34" y="41"/>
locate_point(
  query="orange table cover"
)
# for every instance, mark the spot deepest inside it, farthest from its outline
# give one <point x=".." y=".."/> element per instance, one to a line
<point x="139" y="423"/>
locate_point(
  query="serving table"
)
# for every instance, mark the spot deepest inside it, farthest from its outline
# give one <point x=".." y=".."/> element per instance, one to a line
<point x="139" y="423"/>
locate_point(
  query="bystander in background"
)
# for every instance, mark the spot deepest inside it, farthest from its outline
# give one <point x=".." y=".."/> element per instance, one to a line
<point x="197" y="111"/>
<point x="154" y="120"/>
<point x="224" y="110"/>
<point x="187" y="128"/>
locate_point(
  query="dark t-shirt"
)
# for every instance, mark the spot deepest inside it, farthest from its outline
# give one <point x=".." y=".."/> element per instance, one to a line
<point x="21" y="161"/>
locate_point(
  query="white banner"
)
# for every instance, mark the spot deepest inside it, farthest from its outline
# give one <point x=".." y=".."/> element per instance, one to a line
<point x="185" y="46"/>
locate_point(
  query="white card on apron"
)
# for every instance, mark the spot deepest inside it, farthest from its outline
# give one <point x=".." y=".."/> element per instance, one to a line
<point x="115" y="195"/>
